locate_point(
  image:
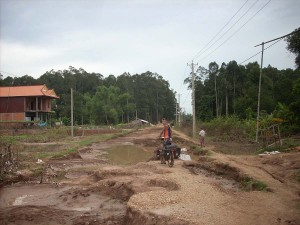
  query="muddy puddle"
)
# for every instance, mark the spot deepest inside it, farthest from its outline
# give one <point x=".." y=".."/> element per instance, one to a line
<point x="64" y="198"/>
<point x="127" y="155"/>
<point x="52" y="204"/>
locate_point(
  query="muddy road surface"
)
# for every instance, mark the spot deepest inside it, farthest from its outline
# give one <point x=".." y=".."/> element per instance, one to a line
<point x="114" y="182"/>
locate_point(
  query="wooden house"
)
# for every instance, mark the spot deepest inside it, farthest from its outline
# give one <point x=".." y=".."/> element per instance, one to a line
<point x="23" y="104"/>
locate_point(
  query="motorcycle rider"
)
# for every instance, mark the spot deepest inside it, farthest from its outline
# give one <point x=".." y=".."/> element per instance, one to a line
<point x="166" y="135"/>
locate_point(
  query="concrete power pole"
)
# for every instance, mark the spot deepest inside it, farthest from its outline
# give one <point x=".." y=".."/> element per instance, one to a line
<point x="193" y="98"/>
<point x="259" y="91"/>
<point x="179" y="111"/>
<point x="176" y="114"/>
<point x="72" y="127"/>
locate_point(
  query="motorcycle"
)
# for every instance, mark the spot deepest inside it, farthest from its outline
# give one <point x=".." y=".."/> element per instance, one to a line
<point x="168" y="154"/>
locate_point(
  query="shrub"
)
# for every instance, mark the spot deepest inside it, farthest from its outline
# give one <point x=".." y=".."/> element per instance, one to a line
<point x="198" y="151"/>
<point x="250" y="184"/>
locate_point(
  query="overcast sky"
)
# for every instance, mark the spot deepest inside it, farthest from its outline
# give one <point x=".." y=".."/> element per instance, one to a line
<point x="135" y="36"/>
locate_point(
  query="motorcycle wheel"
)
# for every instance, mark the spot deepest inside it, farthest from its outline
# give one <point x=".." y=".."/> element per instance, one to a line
<point x="171" y="161"/>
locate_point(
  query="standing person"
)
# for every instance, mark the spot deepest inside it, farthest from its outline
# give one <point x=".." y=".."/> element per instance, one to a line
<point x="166" y="133"/>
<point x="202" y="137"/>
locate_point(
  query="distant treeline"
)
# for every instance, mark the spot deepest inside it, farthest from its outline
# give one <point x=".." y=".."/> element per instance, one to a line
<point x="109" y="100"/>
<point x="232" y="89"/>
<point x="226" y="90"/>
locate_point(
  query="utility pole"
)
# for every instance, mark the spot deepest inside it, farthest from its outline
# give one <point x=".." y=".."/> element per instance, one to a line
<point x="259" y="90"/>
<point x="72" y="127"/>
<point x="216" y="95"/>
<point x="260" y="75"/>
<point x="157" y="120"/>
<point x="176" y="114"/>
<point x="193" y="98"/>
<point x="179" y="111"/>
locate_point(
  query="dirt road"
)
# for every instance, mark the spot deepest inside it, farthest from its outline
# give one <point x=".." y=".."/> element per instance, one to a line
<point x="94" y="190"/>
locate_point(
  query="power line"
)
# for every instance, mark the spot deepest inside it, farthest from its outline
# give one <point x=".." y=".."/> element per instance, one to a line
<point x="183" y="77"/>
<point x="237" y="30"/>
<point x="296" y="31"/>
<point x="198" y="54"/>
<point x="8" y="73"/>
<point x="186" y="96"/>
<point x="278" y="39"/>
<point x="260" y="51"/>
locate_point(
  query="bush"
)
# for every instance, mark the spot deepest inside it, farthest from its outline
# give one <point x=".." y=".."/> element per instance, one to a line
<point x="250" y="184"/>
<point x="231" y="129"/>
<point x="198" y="151"/>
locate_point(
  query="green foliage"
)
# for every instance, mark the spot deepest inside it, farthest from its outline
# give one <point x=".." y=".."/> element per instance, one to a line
<point x="250" y="184"/>
<point x="231" y="128"/>
<point x="199" y="151"/>
<point x="295" y="105"/>
<point x="110" y="100"/>
<point x="232" y="90"/>
<point x="44" y="135"/>
<point x="294" y="45"/>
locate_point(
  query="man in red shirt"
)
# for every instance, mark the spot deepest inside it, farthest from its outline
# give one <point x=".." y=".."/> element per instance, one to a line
<point x="166" y="133"/>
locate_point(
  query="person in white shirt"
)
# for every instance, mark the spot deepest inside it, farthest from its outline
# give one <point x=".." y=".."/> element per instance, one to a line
<point x="202" y="136"/>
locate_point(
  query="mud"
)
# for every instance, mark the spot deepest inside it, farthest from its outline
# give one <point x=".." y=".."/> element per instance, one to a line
<point x="52" y="204"/>
<point x="99" y="185"/>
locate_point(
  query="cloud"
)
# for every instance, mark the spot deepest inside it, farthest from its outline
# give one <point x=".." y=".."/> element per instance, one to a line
<point x="112" y="37"/>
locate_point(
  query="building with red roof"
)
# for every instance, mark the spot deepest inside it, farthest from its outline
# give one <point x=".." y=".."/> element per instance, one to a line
<point x="25" y="103"/>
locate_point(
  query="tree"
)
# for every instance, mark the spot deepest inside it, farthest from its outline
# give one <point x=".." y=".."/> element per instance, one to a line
<point x="295" y="105"/>
<point x="213" y="71"/>
<point x="294" y="45"/>
<point x="105" y="106"/>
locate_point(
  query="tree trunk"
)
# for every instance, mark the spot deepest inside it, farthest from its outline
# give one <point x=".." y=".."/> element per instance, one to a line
<point x="226" y="102"/>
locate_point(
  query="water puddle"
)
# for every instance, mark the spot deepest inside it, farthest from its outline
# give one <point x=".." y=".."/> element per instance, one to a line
<point x="64" y="198"/>
<point x="20" y="200"/>
<point x="128" y="154"/>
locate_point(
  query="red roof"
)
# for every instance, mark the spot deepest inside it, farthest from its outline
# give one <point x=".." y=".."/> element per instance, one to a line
<point x="20" y="91"/>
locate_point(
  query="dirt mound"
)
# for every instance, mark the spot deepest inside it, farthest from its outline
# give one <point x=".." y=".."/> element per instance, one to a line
<point x="114" y="189"/>
<point x="135" y="217"/>
<point x="149" y="168"/>
<point x="85" y="150"/>
<point x="148" y="142"/>
<point x="107" y="173"/>
<point x="29" y="215"/>
<point x="169" y="185"/>
<point x="72" y="155"/>
<point x="225" y="171"/>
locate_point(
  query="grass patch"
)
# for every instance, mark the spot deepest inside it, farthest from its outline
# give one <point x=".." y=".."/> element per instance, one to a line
<point x="38" y="171"/>
<point x="199" y="151"/>
<point x="250" y="184"/>
<point x="297" y="176"/>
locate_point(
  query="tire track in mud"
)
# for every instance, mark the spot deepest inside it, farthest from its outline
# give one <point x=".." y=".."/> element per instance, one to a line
<point x="97" y="192"/>
<point x="94" y="193"/>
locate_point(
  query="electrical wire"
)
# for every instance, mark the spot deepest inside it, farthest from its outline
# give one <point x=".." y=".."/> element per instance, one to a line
<point x="183" y="78"/>
<point x="186" y="97"/>
<point x="260" y="51"/>
<point x="8" y="73"/>
<point x="198" y="54"/>
<point x="237" y="30"/>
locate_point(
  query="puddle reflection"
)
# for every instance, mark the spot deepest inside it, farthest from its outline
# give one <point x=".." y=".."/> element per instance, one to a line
<point x="128" y="155"/>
